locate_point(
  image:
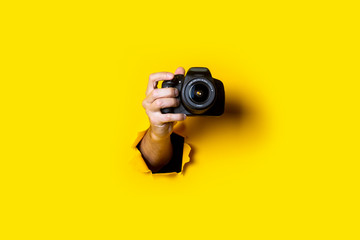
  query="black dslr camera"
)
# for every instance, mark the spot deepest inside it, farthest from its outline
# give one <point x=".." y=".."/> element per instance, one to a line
<point x="199" y="93"/>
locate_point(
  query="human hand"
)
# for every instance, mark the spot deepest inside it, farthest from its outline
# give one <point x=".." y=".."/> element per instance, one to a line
<point x="161" y="125"/>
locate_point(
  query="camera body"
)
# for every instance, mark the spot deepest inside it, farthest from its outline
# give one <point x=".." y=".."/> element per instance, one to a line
<point x="199" y="93"/>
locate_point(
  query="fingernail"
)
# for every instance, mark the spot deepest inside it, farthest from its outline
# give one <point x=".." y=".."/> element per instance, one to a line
<point x="170" y="75"/>
<point x="184" y="116"/>
<point x="176" y="92"/>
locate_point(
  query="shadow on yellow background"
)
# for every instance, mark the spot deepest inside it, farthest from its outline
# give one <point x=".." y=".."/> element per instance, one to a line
<point x="242" y="121"/>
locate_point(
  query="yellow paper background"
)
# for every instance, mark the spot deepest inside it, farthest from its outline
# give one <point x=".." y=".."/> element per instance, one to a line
<point x="282" y="163"/>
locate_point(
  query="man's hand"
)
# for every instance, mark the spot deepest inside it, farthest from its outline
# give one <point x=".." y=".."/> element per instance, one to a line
<point x="156" y="145"/>
<point x="157" y="98"/>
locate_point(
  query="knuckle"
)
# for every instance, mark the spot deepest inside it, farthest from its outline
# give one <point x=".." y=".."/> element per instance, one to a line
<point x="159" y="103"/>
<point x="155" y="93"/>
<point x="167" y="117"/>
<point x="151" y="76"/>
<point x="169" y="92"/>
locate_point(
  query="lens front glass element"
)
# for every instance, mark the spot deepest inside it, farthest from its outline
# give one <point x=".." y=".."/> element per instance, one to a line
<point x="199" y="93"/>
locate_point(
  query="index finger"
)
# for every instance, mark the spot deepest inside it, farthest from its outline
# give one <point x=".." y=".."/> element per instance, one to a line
<point x="155" y="77"/>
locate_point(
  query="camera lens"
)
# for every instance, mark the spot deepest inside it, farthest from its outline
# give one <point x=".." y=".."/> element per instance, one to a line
<point x="199" y="93"/>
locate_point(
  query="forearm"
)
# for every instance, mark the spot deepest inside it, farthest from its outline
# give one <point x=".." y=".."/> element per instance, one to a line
<point x="156" y="145"/>
<point x="157" y="151"/>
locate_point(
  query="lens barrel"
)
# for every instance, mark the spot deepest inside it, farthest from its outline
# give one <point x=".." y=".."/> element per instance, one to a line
<point x="198" y="95"/>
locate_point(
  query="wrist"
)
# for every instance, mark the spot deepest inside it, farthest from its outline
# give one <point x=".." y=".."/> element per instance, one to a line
<point x="158" y="137"/>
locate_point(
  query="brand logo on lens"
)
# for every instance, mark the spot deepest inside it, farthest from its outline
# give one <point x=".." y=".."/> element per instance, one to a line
<point x="200" y="93"/>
